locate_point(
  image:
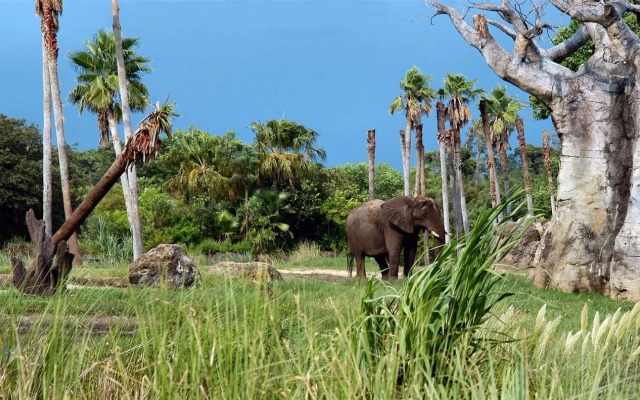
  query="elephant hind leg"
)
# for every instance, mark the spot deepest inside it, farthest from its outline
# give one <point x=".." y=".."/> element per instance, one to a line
<point x="360" y="270"/>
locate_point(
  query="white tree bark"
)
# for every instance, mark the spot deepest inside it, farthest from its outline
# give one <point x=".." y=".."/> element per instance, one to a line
<point x="445" y="191"/>
<point x="74" y="246"/>
<point x="593" y="240"/>
<point x="136" y="227"/>
<point x="407" y="159"/>
<point x="117" y="147"/>
<point x="47" y="180"/>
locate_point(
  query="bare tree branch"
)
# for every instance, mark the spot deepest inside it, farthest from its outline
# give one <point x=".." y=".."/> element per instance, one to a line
<point x="508" y="31"/>
<point x="527" y="76"/>
<point x="563" y="50"/>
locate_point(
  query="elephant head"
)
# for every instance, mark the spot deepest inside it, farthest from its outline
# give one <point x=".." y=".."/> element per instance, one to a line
<point x="410" y="213"/>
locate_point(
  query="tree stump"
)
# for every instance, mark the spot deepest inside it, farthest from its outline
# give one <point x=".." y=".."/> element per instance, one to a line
<point x="48" y="271"/>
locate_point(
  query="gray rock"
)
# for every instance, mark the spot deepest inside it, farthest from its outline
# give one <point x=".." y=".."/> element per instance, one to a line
<point x="163" y="266"/>
<point x="254" y="271"/>
<point x="523" y="254"/>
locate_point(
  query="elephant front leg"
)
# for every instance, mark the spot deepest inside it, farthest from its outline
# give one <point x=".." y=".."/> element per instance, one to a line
<point x="383" y="263"/>
<point x="410" y="251"/>
<point x="394" y="261"/>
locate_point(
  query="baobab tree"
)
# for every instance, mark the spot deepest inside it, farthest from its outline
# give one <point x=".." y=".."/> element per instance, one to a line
<point x="593" y="241"/>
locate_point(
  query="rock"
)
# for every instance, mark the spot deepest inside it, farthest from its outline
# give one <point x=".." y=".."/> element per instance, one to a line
<point x="255" y="271"/>
<point x="523" y="254"/>
<point x="166" y="266"/>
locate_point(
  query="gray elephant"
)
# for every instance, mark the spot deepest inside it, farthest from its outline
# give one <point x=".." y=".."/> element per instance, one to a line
<point x="381" y="229"/>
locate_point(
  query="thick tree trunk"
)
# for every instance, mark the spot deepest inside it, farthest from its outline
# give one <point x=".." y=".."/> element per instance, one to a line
<point x="491" y="159"/>
<point x="371" y="150"/>
<point x="547" y="166"/>
<point x="458" y="165"/>
<point x="136" y="227"/>
<point x="592" y="242"/>
<point x="407" y="159"/>
<point x="47" y="180"/>
<point x="589" y="244"/>
<point x="525" y="165"/>
<point x="62" y="150"/>
<point x="117" y="147"/>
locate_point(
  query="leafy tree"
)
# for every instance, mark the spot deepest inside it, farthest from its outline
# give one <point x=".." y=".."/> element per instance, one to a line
<point x="286" y="151"/>
<point x="269" y="232"/>
<point x="21" y="152"/>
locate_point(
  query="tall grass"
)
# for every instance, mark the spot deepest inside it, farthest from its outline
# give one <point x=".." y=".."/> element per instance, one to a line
<point x="435" y="337"/>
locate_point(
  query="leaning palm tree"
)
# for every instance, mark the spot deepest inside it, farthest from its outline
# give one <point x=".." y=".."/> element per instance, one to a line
<point x="414" y="101"/>
<point x="49" y="11"/>
<point x="286" y="151"/>
<point x="491" y="159"/>
<point x="503" y="111"/>
<point x="97" y="91"/>
<point x="459" y="91"/>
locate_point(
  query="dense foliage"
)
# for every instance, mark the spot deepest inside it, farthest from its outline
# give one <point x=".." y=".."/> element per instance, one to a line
<point x="205" y="191"/>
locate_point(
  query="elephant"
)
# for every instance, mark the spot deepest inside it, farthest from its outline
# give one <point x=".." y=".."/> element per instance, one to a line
<point x="381" y="229"/>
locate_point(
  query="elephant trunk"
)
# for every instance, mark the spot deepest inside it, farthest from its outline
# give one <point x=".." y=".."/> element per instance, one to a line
<point x="439" y="240"/>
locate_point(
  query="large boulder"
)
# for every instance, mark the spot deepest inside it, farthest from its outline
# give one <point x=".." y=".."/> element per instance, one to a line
<point x="163" y="266"/>
<point x="254" y="271"/>
<point x="522" y="255"/>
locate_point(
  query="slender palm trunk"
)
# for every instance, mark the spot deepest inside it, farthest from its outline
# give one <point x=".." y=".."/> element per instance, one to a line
<point x="505" y="166"/>
<point x="458" y="165"/>
<point x="117" y="147"/>
<point x="547" y="165"/>
<point x="407" y="158"/>
<point x="443" y="168"/>
<point x="491" y="159"/>
<point x="52" y="60"/>
<point x="453" y="181"/>
<point x="525" y="165"/>
<point x="405" y="171"/>
<point x="421" y="185"/>
<point x="371" y="149"/>
<point x="47" y="181"/>
<point x="136" y="227"/>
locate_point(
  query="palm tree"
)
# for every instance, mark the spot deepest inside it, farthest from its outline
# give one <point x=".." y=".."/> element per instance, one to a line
<point x="136" y="228"/>
<point x="371" y="150"/>
<point x="525" y="166"/>
<point x="47" y="182"/>
<point x="49" y="12"/>
<point x="414" y="101"/>
<point x="97" y="91"/>
<point x="286" y="151"/>
<point x="491" y="159"/>
<point x="440" y="114"/>
<point x="459" y="91"/>
<point x="503" y="111"/>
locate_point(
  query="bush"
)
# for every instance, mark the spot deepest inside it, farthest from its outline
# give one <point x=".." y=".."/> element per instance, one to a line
<point x="210" y="246"/>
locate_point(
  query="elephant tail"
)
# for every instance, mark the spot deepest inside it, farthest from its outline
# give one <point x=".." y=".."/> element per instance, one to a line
<point x="350" y="259"/>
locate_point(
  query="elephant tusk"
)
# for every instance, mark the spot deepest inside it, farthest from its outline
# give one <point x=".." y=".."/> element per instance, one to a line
<point x="435" y="234"/>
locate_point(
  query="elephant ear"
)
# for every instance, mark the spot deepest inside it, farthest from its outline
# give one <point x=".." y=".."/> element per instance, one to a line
<point x="398" y="211"/>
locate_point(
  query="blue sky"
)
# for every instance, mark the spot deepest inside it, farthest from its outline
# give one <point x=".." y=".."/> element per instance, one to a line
<point x="332" y="65"/>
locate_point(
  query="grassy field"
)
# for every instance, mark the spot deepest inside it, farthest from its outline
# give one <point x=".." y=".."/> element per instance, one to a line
<point x="304" y="339"/>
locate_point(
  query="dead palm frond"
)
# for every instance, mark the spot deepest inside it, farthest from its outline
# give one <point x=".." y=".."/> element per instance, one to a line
<point x="145" y="141"/>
